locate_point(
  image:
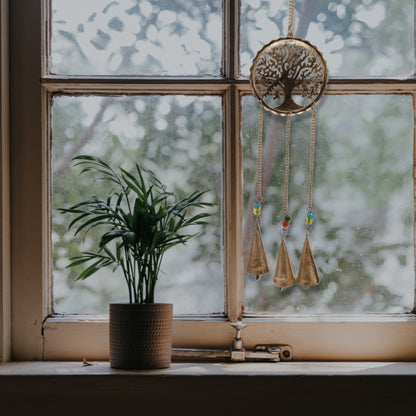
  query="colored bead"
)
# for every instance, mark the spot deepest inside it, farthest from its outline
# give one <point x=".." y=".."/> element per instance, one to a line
<point x="256" y="211"/>
<point x="309" y="221"/>
<point x="310" y="215"/>
<point x="257" y="205"/>
<point x="285" y="224"/>
<point x="288" y="218"/>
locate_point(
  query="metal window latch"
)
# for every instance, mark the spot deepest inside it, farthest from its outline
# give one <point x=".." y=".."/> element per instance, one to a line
<point x="237" y="353"/>
<point x="274" y="353"/>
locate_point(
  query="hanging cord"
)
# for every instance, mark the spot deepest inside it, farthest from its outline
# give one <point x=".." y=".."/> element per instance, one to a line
<point x="257" y="263"/>
<point x="290" y="26"/>
<point x="287" y="217"/>
<point x="259" y="197"/>
<point x="287" y="157"/>
<point x="309" y="214"/>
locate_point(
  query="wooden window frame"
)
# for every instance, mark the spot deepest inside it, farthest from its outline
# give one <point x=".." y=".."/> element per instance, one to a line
<point x="37" y="334"/>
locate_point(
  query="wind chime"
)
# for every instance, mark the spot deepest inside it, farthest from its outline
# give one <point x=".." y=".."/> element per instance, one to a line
<point x="288" y="76"/>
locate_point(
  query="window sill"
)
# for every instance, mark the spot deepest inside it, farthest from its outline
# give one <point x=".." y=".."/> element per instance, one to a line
<point x="293" y="368"/>
<point x="384" y="338"/>
<point x="209" y="388"/>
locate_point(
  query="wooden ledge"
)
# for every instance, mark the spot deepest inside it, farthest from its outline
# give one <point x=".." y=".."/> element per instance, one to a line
<point x="293" y="388"/>
<point x="56" y="368"/>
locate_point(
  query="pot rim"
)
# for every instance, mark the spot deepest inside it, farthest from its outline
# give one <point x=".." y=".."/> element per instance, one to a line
<point x="137" y="305"/>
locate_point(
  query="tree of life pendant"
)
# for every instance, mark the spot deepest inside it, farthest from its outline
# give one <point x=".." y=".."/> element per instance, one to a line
<point x="288" y="75"/>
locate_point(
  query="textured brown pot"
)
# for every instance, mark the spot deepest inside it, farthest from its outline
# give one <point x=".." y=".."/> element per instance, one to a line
<point x="140" y="335"/>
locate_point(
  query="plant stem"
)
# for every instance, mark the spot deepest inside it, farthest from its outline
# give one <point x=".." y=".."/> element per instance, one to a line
<point x="128" y="280"/>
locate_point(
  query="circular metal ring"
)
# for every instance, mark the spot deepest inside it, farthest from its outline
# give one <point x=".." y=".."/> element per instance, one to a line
<point x="288" y="75"/>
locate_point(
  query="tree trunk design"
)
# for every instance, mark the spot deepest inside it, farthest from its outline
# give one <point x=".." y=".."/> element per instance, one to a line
<point x="285" y="68"/>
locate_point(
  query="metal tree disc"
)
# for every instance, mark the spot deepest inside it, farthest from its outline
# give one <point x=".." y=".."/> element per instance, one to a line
<point x="288" y="75"/>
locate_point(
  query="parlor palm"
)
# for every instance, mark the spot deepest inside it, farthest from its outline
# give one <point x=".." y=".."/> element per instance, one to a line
<point x="140" y="220"/>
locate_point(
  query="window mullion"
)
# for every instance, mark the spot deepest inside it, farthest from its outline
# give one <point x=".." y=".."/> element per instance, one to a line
<point x="231" y="42"/>
<point x="108" y="86"/>
<point x="414" y="195"/>
<point x="233" y="204"/>
<point x="232" y="160"/>
<point x="414" y="39"/>
<point x="46" y="11"/>
<point x="346" y="86"/>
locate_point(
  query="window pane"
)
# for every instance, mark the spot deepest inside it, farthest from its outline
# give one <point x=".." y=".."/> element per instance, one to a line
<point x="179" y="138"/>
<point x="362" y="236"/>
<point x="132" y="37"/>
<point x="356" y="37"/>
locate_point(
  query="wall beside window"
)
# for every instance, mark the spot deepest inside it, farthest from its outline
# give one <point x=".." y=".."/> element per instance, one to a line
<point x="5" y="305"/>
<point x="27" y="188"/>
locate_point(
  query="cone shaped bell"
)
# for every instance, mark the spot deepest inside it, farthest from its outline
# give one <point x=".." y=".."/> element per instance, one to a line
<point x="257" y="262"/>
<point x="283" y="276"/>
<point x="308" y="274"/>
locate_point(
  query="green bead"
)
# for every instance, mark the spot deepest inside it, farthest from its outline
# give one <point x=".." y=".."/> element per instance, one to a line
<point x="288" y="218"/>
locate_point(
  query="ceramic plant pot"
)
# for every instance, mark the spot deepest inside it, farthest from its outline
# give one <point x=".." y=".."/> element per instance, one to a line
<point x="140" y="335"/>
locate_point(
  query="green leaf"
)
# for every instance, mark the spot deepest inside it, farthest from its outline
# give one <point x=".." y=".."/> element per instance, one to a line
<point x="93" y="268"/>
<point x="111" y="235"/>
<point x="139" y="216"/>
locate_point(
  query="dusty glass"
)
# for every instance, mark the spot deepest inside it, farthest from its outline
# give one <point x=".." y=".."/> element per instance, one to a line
<point x="136" y="37"/>
<point x="356" y="37"/>
<point x="362" y="235"/>
<point x="177" y="137"/>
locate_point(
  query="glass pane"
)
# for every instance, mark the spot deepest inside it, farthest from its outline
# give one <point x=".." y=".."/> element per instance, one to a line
<point x="177" y="137"/>
<point x="356" y="37"/>
<point x="132" y="37"/>
<point x="362" y="236"/>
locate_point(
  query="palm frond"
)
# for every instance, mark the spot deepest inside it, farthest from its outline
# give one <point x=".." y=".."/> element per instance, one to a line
<point x="140" y="221"/>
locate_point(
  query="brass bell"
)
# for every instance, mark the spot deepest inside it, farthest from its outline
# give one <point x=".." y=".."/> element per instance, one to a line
<point x="308" y="273"/>
<point x="257" y="262"/>
<point x="283" y="275"/>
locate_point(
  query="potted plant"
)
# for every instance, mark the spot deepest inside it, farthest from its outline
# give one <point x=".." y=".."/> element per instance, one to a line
<point x="138" y="222"/>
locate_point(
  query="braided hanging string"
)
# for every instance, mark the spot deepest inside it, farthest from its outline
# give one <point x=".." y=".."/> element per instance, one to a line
<point x="283" y="275"/>
<point x="259" y="196"/>
<point x="312" y="157"/>
<point x="310" y="215"/>
<point x="308" y="273"/>
<point x="287" y="156"/>
<point x="257" y="262"/>
<point x="290" y="26"/>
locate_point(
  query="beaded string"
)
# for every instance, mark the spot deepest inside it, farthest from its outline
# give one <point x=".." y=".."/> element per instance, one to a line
<point x="310" y="215"/>
<point x="287" y="217"/>
<point x="259" y="196"/>
<point x="257" y="263"/>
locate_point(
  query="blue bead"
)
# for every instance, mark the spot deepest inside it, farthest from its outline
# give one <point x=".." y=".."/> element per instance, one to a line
<point x="257" y="205"/>
<point x="310" y="215"/>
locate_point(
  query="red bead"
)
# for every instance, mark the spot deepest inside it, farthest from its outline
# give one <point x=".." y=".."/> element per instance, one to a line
<point x="285" y="224"/>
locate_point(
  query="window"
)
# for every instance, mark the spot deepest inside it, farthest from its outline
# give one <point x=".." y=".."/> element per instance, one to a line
<point x="98" y="93"/>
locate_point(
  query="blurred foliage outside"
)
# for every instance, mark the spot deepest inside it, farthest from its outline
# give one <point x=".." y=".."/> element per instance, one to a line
<point x="362" y="237"/>
<point x="168" y="135"/>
